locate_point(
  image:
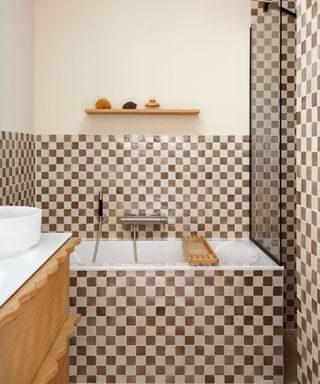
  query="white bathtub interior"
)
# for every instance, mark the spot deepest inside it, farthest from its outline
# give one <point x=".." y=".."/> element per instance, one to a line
<point x="167" y="253"/>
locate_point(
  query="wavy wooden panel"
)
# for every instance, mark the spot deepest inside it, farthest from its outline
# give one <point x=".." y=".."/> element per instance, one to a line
<point x="31" y="320"/>
<point x="55" y="368"/>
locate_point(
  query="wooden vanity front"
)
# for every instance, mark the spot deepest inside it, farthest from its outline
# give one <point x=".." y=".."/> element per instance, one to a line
<point x="35" y="325"/>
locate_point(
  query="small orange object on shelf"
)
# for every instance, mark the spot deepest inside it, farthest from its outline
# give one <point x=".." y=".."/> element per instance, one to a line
<point x="103" y="104"/>
<point x="198" y="252"/>
<point x="152" y="103"/>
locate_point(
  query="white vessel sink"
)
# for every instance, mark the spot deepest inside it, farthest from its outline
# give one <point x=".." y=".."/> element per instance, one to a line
<point x="20" y="229"/>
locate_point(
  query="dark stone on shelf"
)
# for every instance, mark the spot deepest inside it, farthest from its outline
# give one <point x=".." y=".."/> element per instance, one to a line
<point x="129" y="105"/>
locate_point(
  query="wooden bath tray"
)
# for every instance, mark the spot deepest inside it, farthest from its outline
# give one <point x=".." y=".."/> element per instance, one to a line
<point x="198" y="252"/>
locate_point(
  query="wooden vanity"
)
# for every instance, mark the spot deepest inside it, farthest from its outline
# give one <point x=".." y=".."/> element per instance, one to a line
<point x="35" y="325"/>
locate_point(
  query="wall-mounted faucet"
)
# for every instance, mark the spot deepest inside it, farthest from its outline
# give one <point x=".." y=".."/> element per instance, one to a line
<point x="144" y="220"/>
<point x="135" y="221"/>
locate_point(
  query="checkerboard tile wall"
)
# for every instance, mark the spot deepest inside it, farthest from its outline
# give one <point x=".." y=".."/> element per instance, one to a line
<point x="265" y="145"/>
<point x="308" y="181"/>
<point x="200" y="182"/>
<point x="194" y="326"/>
<point x="256" y="9"/>
<point x="17" y="169"/>
<point x="288" y="166"/>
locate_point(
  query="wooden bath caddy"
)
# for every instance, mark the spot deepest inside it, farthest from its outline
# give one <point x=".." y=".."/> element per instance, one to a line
<point x="198" y="252"/>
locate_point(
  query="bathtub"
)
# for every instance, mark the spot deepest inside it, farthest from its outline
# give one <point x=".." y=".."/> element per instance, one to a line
<point x="167" y="254"/>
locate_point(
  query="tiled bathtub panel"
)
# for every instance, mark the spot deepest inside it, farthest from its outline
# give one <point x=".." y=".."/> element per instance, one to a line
<point x="177" y="327"/>
<point x="200" y="182"/>
<point x="17" y="169"/>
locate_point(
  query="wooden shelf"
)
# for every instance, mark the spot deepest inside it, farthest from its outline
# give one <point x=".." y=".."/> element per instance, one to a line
<point x="145" y="111"/>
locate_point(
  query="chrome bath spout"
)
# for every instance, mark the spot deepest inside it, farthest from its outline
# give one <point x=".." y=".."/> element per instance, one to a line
<point x="144" y="220"/>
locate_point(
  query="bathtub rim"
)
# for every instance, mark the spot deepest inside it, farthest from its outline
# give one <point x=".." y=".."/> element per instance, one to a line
<point x="173" y="266"/>
<point x="161" y="267"/>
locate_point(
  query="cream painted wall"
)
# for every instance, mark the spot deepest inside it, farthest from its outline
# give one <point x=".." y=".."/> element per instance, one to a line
<point x="17" y="65"/>
<point x="184" y="53"/>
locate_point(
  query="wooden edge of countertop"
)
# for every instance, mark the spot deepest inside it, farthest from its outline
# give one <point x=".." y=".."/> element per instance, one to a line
<point x="50" y="366"/>
<point x="12" y="308"/>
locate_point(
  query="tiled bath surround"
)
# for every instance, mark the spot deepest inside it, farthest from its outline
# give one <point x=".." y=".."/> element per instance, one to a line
<point x="82" y="171"/>
<point x="308" y="181"/>
<point x="177" y="326"/>
<point x="200" y="182"/>
<point x="17" y="168"/>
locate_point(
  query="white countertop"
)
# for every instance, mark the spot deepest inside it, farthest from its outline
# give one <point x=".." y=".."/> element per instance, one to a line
<point x="16" y="270"/>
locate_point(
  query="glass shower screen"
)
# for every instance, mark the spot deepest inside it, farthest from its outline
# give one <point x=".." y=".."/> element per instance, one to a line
<point x="265" y="193"/>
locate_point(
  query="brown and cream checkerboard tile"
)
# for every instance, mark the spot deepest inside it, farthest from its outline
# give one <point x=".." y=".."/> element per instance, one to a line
<point x="257" y="7"/>
<point x="200" y="182"/>
<point x="288" y="168"/>
<point x="177" y="327"/>
<point x="256" y="10"/>
<point x="308" y="291"/>
<point x="308" y="200"/>
<point x="267" y="34"/>
<point x="17" y="169"/>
